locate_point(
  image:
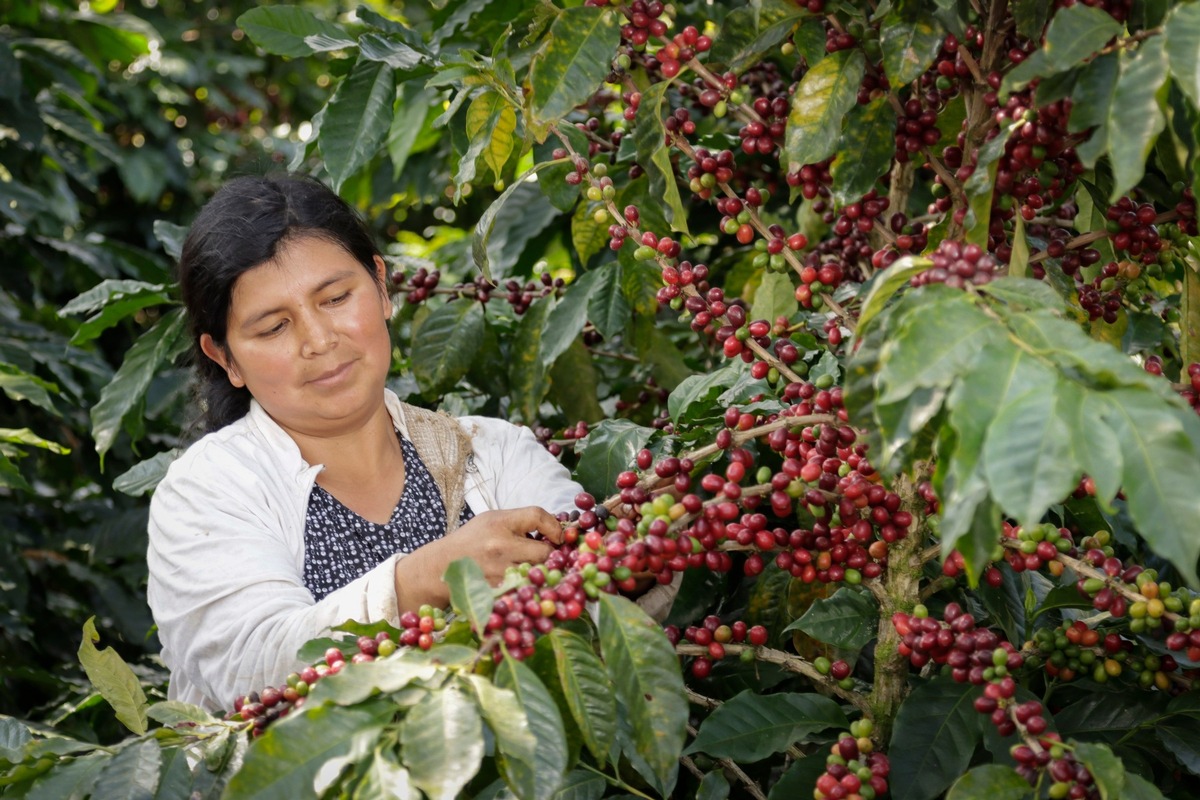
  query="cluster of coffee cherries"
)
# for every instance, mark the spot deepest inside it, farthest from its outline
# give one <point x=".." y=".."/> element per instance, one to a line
<point x="421" y="285"/>
<point x="1073" y="649"/>
<point x="714" y="634"/>
<point x="1132" y="229"/>
<point x="1102" y="297"/>
<point x="1037" y="547"/>
<point x="853" y="768"/>
<point x="272" y="703"/>
<point x="554" y="592"/>
<point x="958" y="265"/>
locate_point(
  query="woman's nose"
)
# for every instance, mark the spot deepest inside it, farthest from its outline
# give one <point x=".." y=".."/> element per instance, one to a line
<point x="319" y="336"/>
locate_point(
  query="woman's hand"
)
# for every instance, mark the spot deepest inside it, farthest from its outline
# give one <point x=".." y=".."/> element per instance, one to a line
<point x="496" y="540"/>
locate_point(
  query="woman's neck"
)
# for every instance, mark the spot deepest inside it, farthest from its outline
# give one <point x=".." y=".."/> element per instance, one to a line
<point x="359" y="455"/>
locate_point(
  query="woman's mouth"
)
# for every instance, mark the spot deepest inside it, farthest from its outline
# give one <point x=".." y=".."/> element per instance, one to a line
<point x="332" y="376"/>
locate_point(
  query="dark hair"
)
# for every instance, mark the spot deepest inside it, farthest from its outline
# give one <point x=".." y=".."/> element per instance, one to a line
<point x="244" y="225"/>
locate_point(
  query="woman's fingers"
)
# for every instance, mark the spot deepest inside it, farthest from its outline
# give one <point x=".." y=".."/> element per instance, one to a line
<point x="532" y="519"/>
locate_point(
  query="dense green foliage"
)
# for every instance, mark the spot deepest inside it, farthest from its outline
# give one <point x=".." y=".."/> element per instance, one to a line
<point x="913" y="286"/>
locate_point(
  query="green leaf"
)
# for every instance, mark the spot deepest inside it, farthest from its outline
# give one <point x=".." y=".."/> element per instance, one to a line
<point x="1025" y="293"/>
<point x="113" y="679"/>
<point x="713" y="786"/>
<point x="653" y="154"/>
<point x="608" y="308"/>
<point x="117" y="309"/>
<point x="492" y="118"/>
<point x="932" y="348"/>
<point x="441" y="742"/>
<point x="826" y="92"/>
<point x="581" y="784"/>
<point x="20" y="385"/>
<point x="566" y="320"/>
<point x="587" y="691"/>
<point x="885" y="285"/>
<point x="847" y="620"/>
<point x="573" y="384"/>
<point x="865" y="150"/>
<point x="693" y="397"/>
<point x="750" y="33"/>
<point x="1106" y="769"/>
<point x="470" y="594"/>
<point x="610" y="449"/>
<point x="171" y="237"/>
<point x="1092" y="101"/>
<point x="1075" y="33"/>
<point x="526" y="375"/>
<point x="1138" y="788"/>
<point x="132" y="774"/>
<point x="487" y="222"/>
<point x="774" y="297"/>
<point x="990" y="782"/>
<point x="1161" y="471"/>
<point x="1183" y="49"/>
<point x="390" y="50"/>
<point x="445" y="344"/>
<point x="410" y="118"/>
<point x="1028" y="456"/>
<point x="978" y="187"/>
<point x="934" y="736"/>
<point x="285" y="761"/>
<point x="156" y="347"/>
<point x="573" y="62"/>
<point x="1189" y="311"/>
<point x="143" y="476"/>
<point x="515" y="743"/>
<point x="357" y="119"/>
<point x="385" y="779"/>
<point x="799" y="779"/>
<point x="383" y="676"/>
<point x="72" y="779"/>
<point x="909" y="45"/>
<point x="1096" y="448"/>
<point x="751" y="726"/>
<point x="644" y="670"/>
<point x="1136" y="118"/>
<point x="172" y="712"/>
<point x="1030" y="16"/>
<point x="285" y="30"/>
<point x="657" y="350"/>
<point x="550" y="756"/>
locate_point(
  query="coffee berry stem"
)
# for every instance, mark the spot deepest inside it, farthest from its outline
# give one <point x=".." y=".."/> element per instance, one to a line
<point x="1084" y="569"/>
<point x="1084" y="239"/>
<point x="792" y="663"/>
<point x="952" y="183"/>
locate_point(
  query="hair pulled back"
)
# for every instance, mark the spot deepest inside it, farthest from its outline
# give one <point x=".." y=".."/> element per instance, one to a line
<point x="245" y="224"/>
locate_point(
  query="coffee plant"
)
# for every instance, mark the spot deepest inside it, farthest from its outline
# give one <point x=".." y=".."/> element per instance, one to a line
<point x="872" y="332"/>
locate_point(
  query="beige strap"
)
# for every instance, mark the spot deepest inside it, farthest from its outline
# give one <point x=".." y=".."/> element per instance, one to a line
<point x="445" y="448"/>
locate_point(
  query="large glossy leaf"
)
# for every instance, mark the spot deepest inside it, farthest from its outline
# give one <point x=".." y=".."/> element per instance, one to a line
<point x="113" y="679"/>
<point x="441" y="742"/>
<point x="143" y="476"/>
<point x="385" y="779"/>
<point x="581" y="785"/>
<point x="989" y="782"/>
<point x="446" y="344"/>
<point x="934" y="736"/>
<point x="932" y="348"/>
<point x="1075" y="33"/>
<point x="550" y="757"/>
<point x="644" y="670"/>
<point x="587" y="691"/>
<point x="390" y="50"/>
<point x="649" y="135"/>
<point x="382" y="676"/>
<point x="865" y="150"/>
<point x="284" y="761"/>
<point x="357" y="119"/>
<point x="470" y="594"/>
<point x="70" y="779"/>
<point x="573" y="62"/>
<point x="884" y="286"/>
<point x="1161" y="471"/>
<point x="610" y="449"/>
<point x="588" y="236"/>
<point x="1092" y="103"/>
<point x="608" y="308"/>
<point x="1183" y="49"/>
<point x="751" y="726"/>
<point x="20" y="385"/>
<point x="826" y="92"/>
<point x="1028" y="456"/>
<point x="132" y="774"/>
<point x="848" y="620"/>
<point x="1106" y="769"/>
<point x="566" y="320"/>
<point x="799" y="779"/>
<point x="526" y="373"/>
<point x="693" y="398"/>
<point x="499" y="210"/>
<point x="909" y="43"/>
<point x="1136" y="119"/>
<point x="749" y="33"/>
<point x="157" y="347"/>
<point x="1176" y="732"/>
<point x="516" y="745"/>
<point x="1096" y="448"/>
<point x="285" y="30"/>
<point x="775" y="296"/>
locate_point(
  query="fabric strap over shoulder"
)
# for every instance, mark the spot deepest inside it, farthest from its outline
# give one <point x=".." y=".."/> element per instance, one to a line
<point x="445" y="448"/>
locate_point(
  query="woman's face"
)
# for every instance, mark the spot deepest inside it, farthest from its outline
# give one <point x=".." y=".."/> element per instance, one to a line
<point x="307" y="335"/>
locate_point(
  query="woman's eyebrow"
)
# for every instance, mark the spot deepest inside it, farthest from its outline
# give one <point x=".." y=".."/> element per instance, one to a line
<point x="320" y="287"/>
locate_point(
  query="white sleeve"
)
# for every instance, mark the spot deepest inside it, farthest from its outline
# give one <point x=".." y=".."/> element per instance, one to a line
<point x="226" y="586"/>
<point x="516" y="469"/>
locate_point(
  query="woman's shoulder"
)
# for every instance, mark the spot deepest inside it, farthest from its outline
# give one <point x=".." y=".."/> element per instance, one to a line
<point x="237" y="454"/>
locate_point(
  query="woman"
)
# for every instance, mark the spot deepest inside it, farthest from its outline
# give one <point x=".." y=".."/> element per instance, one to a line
<point x="316" y="496"/>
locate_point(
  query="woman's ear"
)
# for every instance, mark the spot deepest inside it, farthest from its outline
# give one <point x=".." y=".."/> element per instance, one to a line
<point x="381" y="279"/>
<point x="218" y="354"/>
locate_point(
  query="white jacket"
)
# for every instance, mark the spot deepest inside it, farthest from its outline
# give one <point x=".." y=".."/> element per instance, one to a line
<point x="226" y="551"/>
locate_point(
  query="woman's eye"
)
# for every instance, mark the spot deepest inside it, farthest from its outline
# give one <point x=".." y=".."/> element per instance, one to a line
<point x="339" y="299"/>
<point x="275" y="329"/>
